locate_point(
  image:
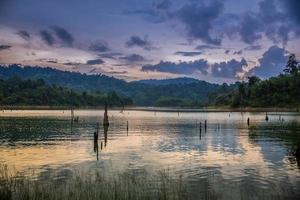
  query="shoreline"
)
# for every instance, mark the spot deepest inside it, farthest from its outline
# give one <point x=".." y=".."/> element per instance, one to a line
<point x="156" y="109"/>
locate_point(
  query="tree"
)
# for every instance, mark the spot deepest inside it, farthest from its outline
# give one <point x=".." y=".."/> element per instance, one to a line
<point x="292" y="65"/>
<point x="252" y="80"/>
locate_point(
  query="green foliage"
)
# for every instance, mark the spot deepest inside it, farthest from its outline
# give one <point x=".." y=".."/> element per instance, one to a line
<point x="16" y="91"/>
<point x="280" y="91"/>
<point x="194" y="92"/>
<point x="94" y="185"/>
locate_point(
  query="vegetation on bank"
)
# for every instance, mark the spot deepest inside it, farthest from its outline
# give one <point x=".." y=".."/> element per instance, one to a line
<point x="94" y="185"/>
<point x="280" y="91"/>
<point x="49" y="87"/>
<point x="18" y="92"/>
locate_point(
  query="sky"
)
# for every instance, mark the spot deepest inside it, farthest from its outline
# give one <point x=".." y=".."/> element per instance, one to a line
<point x="213" y="40"/>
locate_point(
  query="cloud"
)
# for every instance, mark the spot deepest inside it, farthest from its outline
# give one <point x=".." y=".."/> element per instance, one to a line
<point x="227" y="51"/>
<point x="4" y="47"/>
<point x="253" y="47"/>
<point x="63" y="35"/>
<point x="272" y="62"/>
<point x="24" y="34"/>
<point x="111" y="55"/>
<point x="47" y="37"/>
<point x="250" y="28"/>
<point x="270" y="20"/>
<point x="240" y="52"/>
<point x="292" y="8"/>
<point x="228" y="69"/>
<point x="136" y="41"/>
<point x="188" y="53"/>
<point x="162" y="5"/>
<point x="133" y="58"/>
<point x="99" y="46"/>
<point x="186" y="68"/>
<point x="95" y="62"/>
<point x="198" y="20"/>
<point x="207" y="47"/>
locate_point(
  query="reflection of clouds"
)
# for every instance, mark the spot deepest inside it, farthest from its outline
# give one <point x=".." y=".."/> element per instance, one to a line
<point x="162" y="140"/>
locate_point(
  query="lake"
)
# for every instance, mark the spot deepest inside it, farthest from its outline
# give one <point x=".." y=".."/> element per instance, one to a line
<point x="229" y="158"/>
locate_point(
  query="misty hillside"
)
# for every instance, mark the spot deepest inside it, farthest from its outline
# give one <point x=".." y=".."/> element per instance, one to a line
<point x="168" y="92"/>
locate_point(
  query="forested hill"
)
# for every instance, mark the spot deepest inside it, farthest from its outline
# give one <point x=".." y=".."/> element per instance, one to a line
<point x="36" y="83"/>
<point x="18" y="92"/>
<point x="280" y="91"/>
<point x="192" y="93"/>
<point x="173" y="81"/>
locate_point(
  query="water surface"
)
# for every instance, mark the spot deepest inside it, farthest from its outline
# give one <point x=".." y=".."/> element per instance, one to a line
<point x="229" y="158"/>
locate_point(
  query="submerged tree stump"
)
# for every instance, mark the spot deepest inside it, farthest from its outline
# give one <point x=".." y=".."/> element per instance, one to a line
<point x="105" y="119"/>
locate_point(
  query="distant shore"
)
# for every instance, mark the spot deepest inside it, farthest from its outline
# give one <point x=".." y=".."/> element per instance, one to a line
<point x="157" y="109"/>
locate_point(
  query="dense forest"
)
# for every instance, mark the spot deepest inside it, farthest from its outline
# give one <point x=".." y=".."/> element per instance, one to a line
<point x="15" y="91"/>
<point x="175" y="92"/>
<point x="280" y="91"/>
<point x="47" y="86"/>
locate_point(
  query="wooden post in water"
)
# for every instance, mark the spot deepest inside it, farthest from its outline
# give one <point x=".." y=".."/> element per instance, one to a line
<point x="248" y="121"/>
<point x="105" y="119"/>
<point x="205" y="125"/>
<point x="200" y="129"/>
<point x="267" y="118"/>
<point x="127" y="127"/>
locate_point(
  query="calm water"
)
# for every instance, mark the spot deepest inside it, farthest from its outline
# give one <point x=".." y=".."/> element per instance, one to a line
<point x="228" y="159"/>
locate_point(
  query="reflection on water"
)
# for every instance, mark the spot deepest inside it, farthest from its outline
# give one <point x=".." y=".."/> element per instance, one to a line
<point x="230" y="153"/>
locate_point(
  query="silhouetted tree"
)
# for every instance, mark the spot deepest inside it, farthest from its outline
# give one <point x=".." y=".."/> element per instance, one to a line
<point x="292" y="65"/>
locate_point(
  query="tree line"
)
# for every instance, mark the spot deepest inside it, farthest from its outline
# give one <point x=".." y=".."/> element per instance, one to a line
<point x="15" y="91"/>
<point x="280" y="91"/>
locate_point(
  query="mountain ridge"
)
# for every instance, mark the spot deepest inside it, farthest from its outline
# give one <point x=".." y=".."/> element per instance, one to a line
<point x="188" y="92"/>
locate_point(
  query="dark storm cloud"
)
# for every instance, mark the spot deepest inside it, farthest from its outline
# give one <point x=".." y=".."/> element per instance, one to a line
<point x="293" y="8"/>
<point x="136" y="41"/>
<point x="162" y="5"/>
<point x="24" y="34"/>
<point x="47" y="37"/>
<point x="253" y="47"/>
<point x="240" y="52"/>
<point x="207" y="47"/>
<point x="178" y="68"/>
<point x="99" y="46"/>
<point x="270" y="20"/>
<point x="250" y="28"/>
<point x="198" y="20"/>
<point x="63" y="35"/>
<point x="188" y="53"/>
<point x="4" y="47"/>
<point x="133" y="58"/>
<point x="111" y="55"/>
<point x="228" y="69"/>
<point x="95" y="62"/>
<point x="272" y="62"/>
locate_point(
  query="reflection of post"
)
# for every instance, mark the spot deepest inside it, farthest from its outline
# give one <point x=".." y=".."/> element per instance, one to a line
<point x="105" y="124"/>
<point x="105" y="134"/>
<point x="105" y="119"/>
<point x="200" y="129"/>
<point x="127" y="127"/>
<point x="96" y="144"/>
